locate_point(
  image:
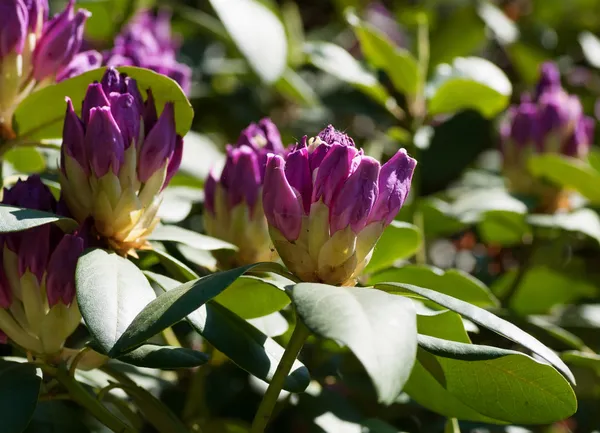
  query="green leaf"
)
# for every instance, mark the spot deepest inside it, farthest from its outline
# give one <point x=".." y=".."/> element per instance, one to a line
<point x="511" y="386"/>
<point x="164" y="357"/>
<point x="200" y="155"/>
<point x="241" y="342"/>
<point x="453" y="282"/>
<point x="470" y="82"/>
<point x="250" y="296"/>
<point x="19" y="388"/>
<point x="176" y="268"/>
<point x="338" y="62"/>
<point x="590" y="45"/>
<point x="169" y="233"/>
<point x="380" y="331"/>
<point x="567" y="172"/>
<point x="173" y="306"/>
<point x="111" y="291"/>
<point x="49" y="105"/>
<point x="584" y="221"/>
<point x="25" y="160"/>
<point x="441" y="324"/>
<point x="582" y="359"/>
<point x="294" y="87"/>
<point x="14" y="219"/>
<point x="488" y="320"/>
<point x="265" y="50"/>
<point x="272" y="325"/>
<point x="399" y="240"/>
<point x="178" y="200"/>
<point x="541" y="288"/>
<point x="452" y="426"/>
<point x="398" y="63"/>
<point x="438" y="220"/>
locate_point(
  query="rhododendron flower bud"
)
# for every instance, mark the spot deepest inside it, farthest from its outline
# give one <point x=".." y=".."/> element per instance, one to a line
<point x="327" y="204"/>
<point x="116" y="159"/>
<point x="233" y="200"/>
<point x="38" y="307"/>
<point x="553" y="122"/>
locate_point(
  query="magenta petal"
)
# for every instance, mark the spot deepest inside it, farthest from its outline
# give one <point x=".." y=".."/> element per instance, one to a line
<point x="60" y="279"/>
<point x="94" y="97"/>
<point x="111" y="81"/>
<point x="353" y="203"/>
<point x="73" y="137"/>
<point x="330" y="136"/>
<point x="127" y="116"/>
<point x="158" y="145"/>
<point x="282" y="207"/>
<point x="246" y="178"/>
<point x="297" y="172"/>
<point x="394" y="185"/>
<point x="82" y="62"/>
<point x="335" y="168"/>
<point x="175" y="160"/>
<point x="13" y="27"/>
<point x="104" y="142"/>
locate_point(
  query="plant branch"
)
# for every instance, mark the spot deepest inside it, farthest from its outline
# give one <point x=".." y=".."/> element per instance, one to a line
<point x="263" y="415"/>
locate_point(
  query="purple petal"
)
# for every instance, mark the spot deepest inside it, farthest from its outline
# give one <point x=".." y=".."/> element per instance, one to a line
<point x="549" y="80"/>
<point x="60" y="280"/>
<point x="282" y="207"/>
<point x="297" y="172"/>
<point x="246" y="178"/>
<point x="149" y="112"/>
<point x="31" y="194"/>
<point x="127" y="116"/>
<point x="34" y="250"/>
<point x="73" y="138"/>
<point x="104" y="142"/>
<point x="158" y="145"/>
<point x="336" y="167"/>
<point x="175" y="160"/>
<point x="330" y="136"/>
<point x="394" y="185"/>
<point x="82" y="62"/>
<point x="111" y="82"/>
<point x="13" y="27"/>
<point x="94" y="97"/>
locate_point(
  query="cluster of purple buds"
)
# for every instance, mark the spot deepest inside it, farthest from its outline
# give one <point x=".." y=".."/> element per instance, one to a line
<point x="233" y="200"/>
<point x="327" y="204"/>
<point x="552" y="121"/>
<point x="38" y="307"/>
<point x="116" y="159"/>
<point x="34" y="50"/>
<point x="147" y="42"/>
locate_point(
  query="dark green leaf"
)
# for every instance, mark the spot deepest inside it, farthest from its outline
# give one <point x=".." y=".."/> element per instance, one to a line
<point x="19" y="388"/>
<point x="265" y="50"/>
<point x="470" y="82"/>
<point x="488" y="320"/>
<point x="169" y="233"/>
<point x="111" y="291"/>
<point x="399" y="240"/>
<point x="380" y="331"/>
<point x="176" y="268"/>
<point x="164" y="357"/>
<point x="452" y="282"/>
<point x="294" y="87"/>
<point x="582" y="359"/>
<point x="49" y="105"/>
<point x="14" y="219"/>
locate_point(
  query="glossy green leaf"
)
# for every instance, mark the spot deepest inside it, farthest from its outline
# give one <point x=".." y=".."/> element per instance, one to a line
<point x="543" y="287"/>
<point x="111" y="291"/>
<point x="582" y="359"/>
<point x="164" y="357"/>
<point x="380" y="331"/>
<point x="178" y="200"/>
<point x="14" y="219"/>
<point x="488" y="320"/>
<point x="265" y="50"/>
<point x="470" y="82"/>
<point x="175" y="268"/>
<point x="19" y="388"/>
<point x="511" y="386"/>
<point x="173" y="306"/>
<point x="272" y="325"/>
<point x="338" y="62"/>
<point x="25" y="160"/>
<point x="567" y="172"/>
<point x="452" y="282"/>
<point x="49" y="103"/>
<point x="251" y="296"/>
<point x="441" y="324"/>
<point x="398" y="63"/>
<point x="170" y="233"/>
<point x="584" y="221"/>
<point x="399" y="240"/>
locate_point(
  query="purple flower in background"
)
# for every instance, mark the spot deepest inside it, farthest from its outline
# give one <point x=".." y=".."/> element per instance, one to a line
<point x="327" y="204"/>
<point x="233" y="200"/>
<point x="38" y="308"/>
<point x="117" y="158"/>
<point x="147" y="42"/>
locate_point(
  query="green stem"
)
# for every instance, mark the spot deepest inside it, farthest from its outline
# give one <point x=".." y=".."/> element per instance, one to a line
<point x="263" y="415"/>
<point x="521" y="272"/>
<point x="81" y="396"/>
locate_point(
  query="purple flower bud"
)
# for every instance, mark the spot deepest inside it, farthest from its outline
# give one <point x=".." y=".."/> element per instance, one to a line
<point x="149" y="112"/>
<point x="524" y="124"/>
<point x="394" y="185"/>
<point x="549" y="80"/>
<point x="336" y="167"/>
<point x="60" y="41"/>
<point x="175" y="160"/>
<point x="245" y="177"/>
<point x="210" y="187"/>
<point x="34" y="250"/>
<point x="282" y="207"/>
<point x="37" y="11"/>
<point x="111" y="82"/>
<point x="82" y="62"/>
<point x="73" y="137"/>
<point x="158" y="145"/>
<point x="297" y="172"/>
<point x="94" y="97"/>
<point x="30" y="194"/>
<point x="104" y="142"/>
<point x="60" y="278"/>
<point x="13" y="27"/>
<point x="330" y="136"/>
<point x="580" y="141"/>
<point x="263" y="135"/>
<point x="353" y="203"/>
<point x="126" y="114"/>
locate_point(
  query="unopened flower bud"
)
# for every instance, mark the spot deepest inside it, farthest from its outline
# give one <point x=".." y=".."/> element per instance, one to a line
<point x="38" y="308"/>
<point x="327" y="204"/>
<point x="116" y="172"/>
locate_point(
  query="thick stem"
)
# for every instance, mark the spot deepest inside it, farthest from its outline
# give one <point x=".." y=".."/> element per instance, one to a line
<point x="263" y="415"/>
